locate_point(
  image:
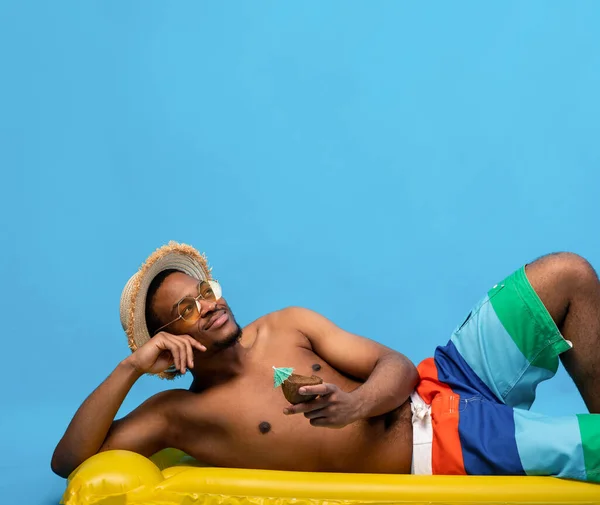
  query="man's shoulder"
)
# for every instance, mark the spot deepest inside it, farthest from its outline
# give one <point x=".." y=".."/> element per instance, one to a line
<point x="290" y="321"/>
<point x="288" y="318"/>
<point x="172" y="405"/>
<point x="290" y="314"/>
<point x="165" y="400"/>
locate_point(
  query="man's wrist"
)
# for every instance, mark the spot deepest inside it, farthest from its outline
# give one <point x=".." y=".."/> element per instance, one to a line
<point x="127" y="366"/>
<point x="361" y="410"/>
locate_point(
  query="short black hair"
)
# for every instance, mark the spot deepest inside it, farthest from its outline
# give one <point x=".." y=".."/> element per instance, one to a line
<point x="153" y="322"/>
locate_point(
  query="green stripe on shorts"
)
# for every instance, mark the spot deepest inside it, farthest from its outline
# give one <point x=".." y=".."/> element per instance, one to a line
<point x="589" y="428"/>
<point x="527" y="321"/>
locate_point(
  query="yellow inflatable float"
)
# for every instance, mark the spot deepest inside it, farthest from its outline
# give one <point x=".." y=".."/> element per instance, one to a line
<point x="172" y="478"/>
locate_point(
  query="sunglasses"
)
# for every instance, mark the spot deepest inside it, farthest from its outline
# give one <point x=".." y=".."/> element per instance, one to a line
<point x="189" y="308"/>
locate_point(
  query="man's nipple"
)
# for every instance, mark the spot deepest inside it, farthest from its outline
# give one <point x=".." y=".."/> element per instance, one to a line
<point x="264" y="427"/>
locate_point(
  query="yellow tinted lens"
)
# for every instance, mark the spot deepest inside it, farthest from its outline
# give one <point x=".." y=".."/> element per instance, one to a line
<point x="188" y="309"/>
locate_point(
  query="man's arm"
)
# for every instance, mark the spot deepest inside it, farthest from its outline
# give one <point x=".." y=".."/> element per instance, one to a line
<point x="92" y="428"/>
<point x="144" y="430"/>
<point x="389" y="376"/>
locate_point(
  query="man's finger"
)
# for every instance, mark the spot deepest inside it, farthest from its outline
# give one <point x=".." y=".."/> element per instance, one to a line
<point x="184" y="357"/>
<point x="314" y="414"/>
<point x="174" y="350"/>
<point x="198" y="345"/>
<point x="194" y="342"/>
<point x="325" y="422"/>
<point x="320" y="422"/>
<point x="303" y="407"/>
<point x="181" y="354"/>
<point x="179" y="362"/>
<point x="319" y="389"/>
<point x="190" y="354"/>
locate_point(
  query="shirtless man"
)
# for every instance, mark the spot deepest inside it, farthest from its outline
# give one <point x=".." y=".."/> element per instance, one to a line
<point x="468" y="413"/>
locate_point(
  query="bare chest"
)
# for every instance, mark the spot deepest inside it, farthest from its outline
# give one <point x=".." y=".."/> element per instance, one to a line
<point x="242" y="423"/>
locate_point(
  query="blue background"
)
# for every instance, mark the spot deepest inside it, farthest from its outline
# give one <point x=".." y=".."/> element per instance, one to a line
<point x="382" y="163"/>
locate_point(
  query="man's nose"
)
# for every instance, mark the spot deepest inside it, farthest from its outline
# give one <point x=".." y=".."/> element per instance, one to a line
<point x="206" y="306"/>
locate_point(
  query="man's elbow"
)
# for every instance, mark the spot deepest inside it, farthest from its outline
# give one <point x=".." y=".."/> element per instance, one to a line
<point x="414" y="377"/>
<point x="60" y="468"/>
<point x="409" y="370"/>
<point x="61" y="464"/>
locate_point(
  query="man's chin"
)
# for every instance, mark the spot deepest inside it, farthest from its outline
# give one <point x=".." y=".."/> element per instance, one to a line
<point x="228" y="341"/>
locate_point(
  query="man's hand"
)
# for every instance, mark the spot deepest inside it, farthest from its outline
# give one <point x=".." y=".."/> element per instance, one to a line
<point x="164" y="350"/>
<point x="387" y="377"/>
<point x="146" y="429"/>
<point x="333" y="408"/>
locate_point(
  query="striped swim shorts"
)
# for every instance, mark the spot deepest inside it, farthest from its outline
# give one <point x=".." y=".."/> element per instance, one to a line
<point x="471" y="408"/>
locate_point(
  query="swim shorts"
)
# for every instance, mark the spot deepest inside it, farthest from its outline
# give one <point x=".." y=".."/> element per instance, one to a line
<point x="471" y="408"/>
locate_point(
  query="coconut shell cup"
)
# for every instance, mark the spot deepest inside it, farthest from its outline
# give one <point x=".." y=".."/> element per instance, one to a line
<point x="294" y="382"/>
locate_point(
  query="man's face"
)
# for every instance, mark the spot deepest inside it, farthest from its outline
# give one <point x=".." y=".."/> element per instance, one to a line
<point x="216" y="327"/>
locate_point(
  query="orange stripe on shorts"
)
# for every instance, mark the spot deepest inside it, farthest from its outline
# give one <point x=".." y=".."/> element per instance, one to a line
<point x="446" y="457"/>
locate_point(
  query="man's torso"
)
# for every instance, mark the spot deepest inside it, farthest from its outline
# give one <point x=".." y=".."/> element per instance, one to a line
<point x="241" y="423"/>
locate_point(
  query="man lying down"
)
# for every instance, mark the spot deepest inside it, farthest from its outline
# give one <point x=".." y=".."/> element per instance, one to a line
<point x="463" y="411"/>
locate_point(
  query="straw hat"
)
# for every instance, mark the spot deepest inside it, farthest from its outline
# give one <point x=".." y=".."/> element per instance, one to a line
<point x="172" y="256"/>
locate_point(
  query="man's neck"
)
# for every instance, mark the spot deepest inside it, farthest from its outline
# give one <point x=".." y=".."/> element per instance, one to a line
<point x="214" y="368"/>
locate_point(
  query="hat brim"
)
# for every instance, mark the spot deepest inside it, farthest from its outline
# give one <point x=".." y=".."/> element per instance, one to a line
<point x="173" y="256"/>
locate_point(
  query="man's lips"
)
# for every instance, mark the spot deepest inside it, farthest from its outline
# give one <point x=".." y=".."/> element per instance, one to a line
<point x="218" y="320"/>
